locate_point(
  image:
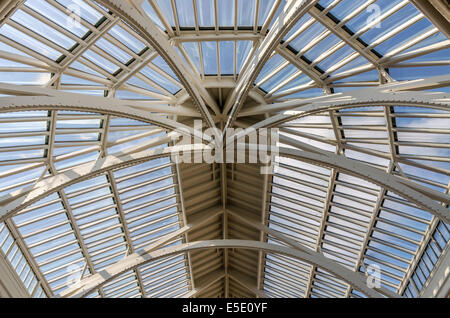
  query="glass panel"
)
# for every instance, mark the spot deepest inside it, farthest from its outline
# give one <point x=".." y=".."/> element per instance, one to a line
<point x="209" y="51"/>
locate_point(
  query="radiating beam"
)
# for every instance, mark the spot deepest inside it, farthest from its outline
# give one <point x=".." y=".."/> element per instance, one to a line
<point x="292" y="12"/>
<point x="197" y="222"/>
<point x="205" y="282"/>
<point x="392" y="94"/>
<point x="344" y="35"/>
<point x="8" y="8"/>
<point x="262" y="235"/>
<point x="437" y="15"/>
<point x="86" y="171"/>
<point x="100" y="105"/>
<point x="422" y="196"/>
<point x="245" y="218"/>
<point x="244" y="281"/>
<point x="145" y="27"/>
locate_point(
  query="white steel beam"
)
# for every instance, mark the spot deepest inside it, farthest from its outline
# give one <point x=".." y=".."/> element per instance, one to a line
<point x="90" y="104"/>
<point x="262" y="235"/>
<point x="243" y="280"/>
<point x="151" y="33"/>
<point x="83" y="47"/>
<point x="86" y="171"/>
<point x="392" y="94"/>
<point x="126" y="231"/>
<point x="344" y="35"/>
<point x="10" y="284"/>
<point x="438" y="12"/>
<point x="293" y="243"/>
<point x="205" y="282"/>
<point x="420" y="195"/>
<point x="197" y="222"/>
<point x="438" y="285"/>
<point x="183" y="217"/>
<point x="292" y="12"/>
<point x="190" y="36"/>
<point x="7" y="9"/>
<point x="416" y="193"/>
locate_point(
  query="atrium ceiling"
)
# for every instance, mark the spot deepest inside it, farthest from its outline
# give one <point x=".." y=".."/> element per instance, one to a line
<point x="95" y="96"/>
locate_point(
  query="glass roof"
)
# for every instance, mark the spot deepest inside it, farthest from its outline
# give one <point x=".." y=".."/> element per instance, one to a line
<point x="75" y="49"/>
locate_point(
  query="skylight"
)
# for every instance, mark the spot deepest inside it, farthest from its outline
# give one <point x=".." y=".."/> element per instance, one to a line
<point x="92" y="100"/>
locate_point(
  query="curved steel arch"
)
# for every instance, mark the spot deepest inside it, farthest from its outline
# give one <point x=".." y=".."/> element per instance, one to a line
<point x="421" y="196"/>
<point x="83" y="172"/>
<point x="88" y="104"/>
<point x="411" y="99"/>
<point x="150" y="32"/>
<point x="404" y="92"/>
<point x="139" y="258"/>
<point x="285" y="21"/>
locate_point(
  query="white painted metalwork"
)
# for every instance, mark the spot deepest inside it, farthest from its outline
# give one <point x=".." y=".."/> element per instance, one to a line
<point x="95" y="95"/>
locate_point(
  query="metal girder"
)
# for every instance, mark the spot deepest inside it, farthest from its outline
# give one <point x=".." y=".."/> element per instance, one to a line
<point x="83" y="47"/>
<point x="200" y="220"/>
<point x="391" y="94"/>
<point x="246" y="283"/>
<point x="416" y="193"/>
<point x="422" y="196"/>
<point x="438" y="286"/>
<point x="344" y="35"/>
<point x="91" y="104"/>
<point x="148" y="106"/>
<point x="224" y="194"/>
<point x="7" y="9"/>
<point x="438" y="12"/>
<point x="443" y="6"/>
<point x="10" y="284"/>
<point x="293" y="243"/>
<point x="183" y="217"/>
<point x="126" y="231"/>
<point x="263" y="236"/>
<point x="134" y="68"/>
<point x="285" y="21"/>
<point x="190" y="36"/>
<point x="150" y="32"/>
<point x="45" y="187"/>
<point x="142" y="257"/>
<point x="205" y="282"/>
<point x="303" y="108"/>
<point x="301" y="64"/>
